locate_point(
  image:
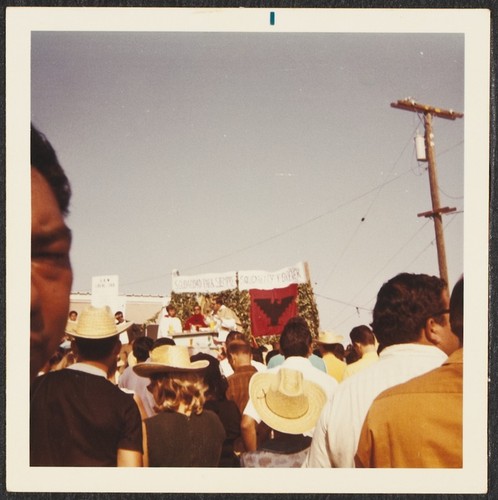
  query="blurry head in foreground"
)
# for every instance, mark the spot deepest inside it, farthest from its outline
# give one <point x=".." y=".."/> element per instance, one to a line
<point x="51" y="274"/>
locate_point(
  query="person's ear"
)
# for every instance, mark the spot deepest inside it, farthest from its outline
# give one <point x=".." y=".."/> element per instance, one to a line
<point x="433" y="332"/>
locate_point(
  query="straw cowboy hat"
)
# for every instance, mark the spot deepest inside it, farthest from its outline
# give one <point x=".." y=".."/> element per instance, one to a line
<point x="285" y="401"/>
<point x="169" y="358"/>
<point x="329" y="338"/>
<point x="96" y="323"/>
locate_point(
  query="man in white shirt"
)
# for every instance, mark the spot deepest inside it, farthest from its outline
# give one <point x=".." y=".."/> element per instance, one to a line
<point x="169" y="323"/>
<point x="225" y="318"/>
<point x="296" y="346"/>
<point x="411" y="323"/>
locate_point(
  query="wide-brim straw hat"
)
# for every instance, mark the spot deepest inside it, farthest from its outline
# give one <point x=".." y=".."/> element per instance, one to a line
<point x="329" y="338"/>
<point x="285" y="401"/>
<point x="96" y="323"/>
<point x="169" y="358"/>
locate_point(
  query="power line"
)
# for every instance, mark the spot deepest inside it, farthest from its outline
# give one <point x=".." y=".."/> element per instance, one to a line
<point x="348" y="244"/>
<point x="275" y="236"/>
<point x="431" y="243"/>
<point x="297" y="226"/>
<point x="410" y="239"/>
<point x="340" y="302"/>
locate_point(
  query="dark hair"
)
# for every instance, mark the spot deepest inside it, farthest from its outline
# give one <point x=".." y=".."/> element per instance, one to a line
<point x="238" y="347"/>
<point x="336" y="349"/>
<point x="216" y="382"/>
<point x="271" y="354"/>
<point x="44" y="159"/>
<point x="169" y="307"/>
<point x="163" y="341"/>
<point x="95" y="349"/>
<point x="142" y="347"/>
<point x="456" y="310"/>
<point x="362" y="335"/>
<point x="403" y="306"/>
<point x="350" y="354"/>
<point x="295" y="339"/>
<point x="118" y="312"/>
<point x="234" y="336"/>
<point x="257" y="354"/>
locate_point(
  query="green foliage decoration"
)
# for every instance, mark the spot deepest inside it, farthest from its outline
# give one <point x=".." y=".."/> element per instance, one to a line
<point x="240" y="302"/>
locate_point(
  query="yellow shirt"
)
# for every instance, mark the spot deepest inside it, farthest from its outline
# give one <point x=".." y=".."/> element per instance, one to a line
<point x="418" y="423"/>
<point x="366" y="360"/>
<point x="335" y="367"/>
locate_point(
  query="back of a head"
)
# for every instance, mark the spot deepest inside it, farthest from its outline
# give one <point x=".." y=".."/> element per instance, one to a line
<point x="456" y="310"/>
<point x="44" y="159"/>
<point x="404" y="304"/>
<point x="362" y="335"/>
<point x="216" y="382"/>
<point x="142" y="347"/>
<point x="234" y="336"/>
<point x="295" y="339"/>
<point x="95" y="349"/>
<point x="239" y="347"/>
<point x="271" y="354"/>
<point x="338" y="351"/>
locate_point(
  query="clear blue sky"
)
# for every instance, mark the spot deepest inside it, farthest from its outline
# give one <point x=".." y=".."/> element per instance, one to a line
<point x="214" y="152"/>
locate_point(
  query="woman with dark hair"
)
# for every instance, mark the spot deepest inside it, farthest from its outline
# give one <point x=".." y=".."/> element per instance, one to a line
<point x="217" y="402"/>
<point x="183" y="433"/>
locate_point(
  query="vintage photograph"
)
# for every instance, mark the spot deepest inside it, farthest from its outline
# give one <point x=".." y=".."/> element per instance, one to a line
<point x="250" y="233"/>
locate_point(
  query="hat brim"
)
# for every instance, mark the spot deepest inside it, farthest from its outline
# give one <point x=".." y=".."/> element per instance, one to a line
<point x="260" y="385"/>
<point x="148" y="368"/>
<point x="119" y="329"/>
<point x="332" y="339"/>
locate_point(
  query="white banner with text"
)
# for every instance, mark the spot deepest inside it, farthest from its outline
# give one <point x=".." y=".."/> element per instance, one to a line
<point x="264" y="280"/>
<point x="205" y="283"/>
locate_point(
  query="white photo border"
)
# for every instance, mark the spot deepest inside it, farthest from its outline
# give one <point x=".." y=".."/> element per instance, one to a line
<point x="474" y="23"/>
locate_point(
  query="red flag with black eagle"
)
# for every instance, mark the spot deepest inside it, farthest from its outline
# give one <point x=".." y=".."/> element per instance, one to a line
<point x="271" y="309"/>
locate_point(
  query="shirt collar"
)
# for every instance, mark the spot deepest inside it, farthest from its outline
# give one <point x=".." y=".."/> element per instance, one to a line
<point x="455" y="357"/>
<point x="245" y="368"/>
<point x="296" y="361"/>
<point x="413" y="350"/>
<point x="86" y="368"/>
<point x="370" y="354"/>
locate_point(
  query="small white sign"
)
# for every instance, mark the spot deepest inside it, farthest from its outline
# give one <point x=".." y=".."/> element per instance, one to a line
<point x="105" y="290"/>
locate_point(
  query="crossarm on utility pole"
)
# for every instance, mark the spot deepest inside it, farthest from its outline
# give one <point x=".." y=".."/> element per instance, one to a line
<point x="411" y="105"/>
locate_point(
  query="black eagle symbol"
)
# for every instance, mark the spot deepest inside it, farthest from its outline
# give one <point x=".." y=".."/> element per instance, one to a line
<point x="274" y="309"/>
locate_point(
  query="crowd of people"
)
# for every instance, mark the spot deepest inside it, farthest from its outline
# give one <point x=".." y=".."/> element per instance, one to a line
<point x="103" y="397"/>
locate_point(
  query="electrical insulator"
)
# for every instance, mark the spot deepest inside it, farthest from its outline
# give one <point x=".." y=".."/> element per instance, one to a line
<point x="420" y="147"/>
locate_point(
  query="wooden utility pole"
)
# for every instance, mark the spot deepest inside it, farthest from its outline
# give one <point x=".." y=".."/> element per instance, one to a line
<point x="437" y="211"/>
